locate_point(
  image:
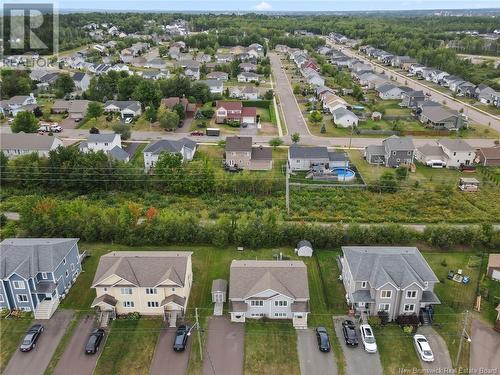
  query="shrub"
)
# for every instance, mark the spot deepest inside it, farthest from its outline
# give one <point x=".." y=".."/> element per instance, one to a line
<point x="410" y="320"/>
<point x="444" y="263"/>
<point x="374" y="321"/>
<point x="384" y="317"/>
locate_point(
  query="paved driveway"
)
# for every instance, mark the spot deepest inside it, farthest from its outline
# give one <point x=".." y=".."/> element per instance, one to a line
<point x="439" y="348"/>
<point x="74" y="360"/>
<point x="36" y="361"/>
<point x="357" y="360"/>
<point x="485" y="347"/>
<point x="312" y="361"/>
<point x="165" y="360"/>
<point x="224" y="347"/>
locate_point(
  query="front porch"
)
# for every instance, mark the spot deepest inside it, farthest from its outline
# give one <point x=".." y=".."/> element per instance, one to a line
<point x="173" y="308"/>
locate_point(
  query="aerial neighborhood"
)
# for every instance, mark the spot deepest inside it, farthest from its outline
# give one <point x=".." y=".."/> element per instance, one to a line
<point x="252" y="192"/>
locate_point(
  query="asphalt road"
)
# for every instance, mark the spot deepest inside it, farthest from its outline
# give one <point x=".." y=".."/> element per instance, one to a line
<point x="224" y="347"/>
<point x="74" y="360"/>
<point x="442" y="360"/>
<point x="293" y="117"/>
<point x="485" y="348"/>
<point x="165" y="360"/>
<point x="473" y="113"/>
<point x="36" y="361"/>
<point x="358" y="361"/>
<point x="312" y="361"/>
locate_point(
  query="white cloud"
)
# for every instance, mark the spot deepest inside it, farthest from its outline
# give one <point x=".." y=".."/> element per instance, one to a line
<point x="263" y="6"/>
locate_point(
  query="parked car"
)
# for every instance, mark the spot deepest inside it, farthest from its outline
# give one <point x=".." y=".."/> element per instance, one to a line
<point x="94" y="341"/>
<point x="423" y="348"/>
<point x="181" y="337"/>
<point x="368" y="338"/>
<point x="50" y="128"/>
<point x="350" y="335"/>
<point x="323" y="340"/>
<point x="31" y="337"/>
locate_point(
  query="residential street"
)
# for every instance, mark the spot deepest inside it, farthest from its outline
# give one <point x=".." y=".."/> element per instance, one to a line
<point x="358" y="361"/>
<point x="74" y="360"/>
<point x="485" y="347"/>
<point x="36" y="361"/>
<point x="473" y="113"/>
<point x="312" y="361"/>
<point x="165" y="360"/>
<point x="442" y="358"/>
<point x="224" y="347"/>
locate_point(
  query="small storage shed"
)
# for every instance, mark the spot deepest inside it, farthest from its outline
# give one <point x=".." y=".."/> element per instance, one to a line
<point x="219" y="290"/>
<point x="468" y="184"/>
<point x="304" y="249"/>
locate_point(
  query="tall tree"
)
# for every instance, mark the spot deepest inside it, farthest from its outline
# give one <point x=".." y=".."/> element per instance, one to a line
<point x="26" y="122"/>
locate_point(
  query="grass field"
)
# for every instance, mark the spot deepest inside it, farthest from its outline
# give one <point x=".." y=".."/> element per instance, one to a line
<point x="129" y="347"/>
<point x="396" y="349"/>
<point x="11" y="333"/>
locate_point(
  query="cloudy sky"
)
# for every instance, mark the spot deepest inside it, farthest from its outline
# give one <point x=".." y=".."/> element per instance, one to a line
<point x="274" y="5"/>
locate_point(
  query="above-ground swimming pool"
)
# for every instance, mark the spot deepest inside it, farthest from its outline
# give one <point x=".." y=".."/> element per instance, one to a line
<point x="344" y="174"/>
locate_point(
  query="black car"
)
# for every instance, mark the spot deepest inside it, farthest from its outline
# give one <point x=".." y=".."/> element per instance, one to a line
<point x="94" y="341"/>
<point x="31" y="338"/>
<point x="323" y="340"/>
<point x="181" y="337"/>
<point x="350" y="335"/>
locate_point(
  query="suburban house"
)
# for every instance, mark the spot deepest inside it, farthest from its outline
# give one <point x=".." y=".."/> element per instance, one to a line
<point x="245" y="93"/>
<point x="332" y="102"/>
<point x="431" y="155"/>
<point x="439" y="117"/>
<point x="171" y="102"/>
<point x="76" y="109"/>
<point x="410" y="99"/>
<point x="126" y="108"/>
<point x="458" y="152"/>
<point x="270" y="289"/>
<point x="493" y="269"/>
<point x="215" y="86"/>
<point x="109" y="143"/>
<point x="18" y="104"/>
<point x="344" y="118"/>
<point x="304" y="158"/>
<point x="220" y="76"/>
<point x="389" y="91"/>
<point x="240" y="153"/>
<point x="396" y="280"/>
<point x="184" y="146"/>
<point x="224" y="58"/>
<point x="18" y="144"/>
<point x="147" y="282"/>
<point x="248" y="67"/>
<point x="234" y="111"/>
<point x="483" y="93"/>
<point x="394" y="152"/>
<point x="248" y="77"/>
<point x="37" y="272"/>
<point x="488" y="156"/>
<point x="82" y="81"/>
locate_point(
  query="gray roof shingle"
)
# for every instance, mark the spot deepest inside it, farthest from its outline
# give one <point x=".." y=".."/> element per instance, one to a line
<point x="304" y="152"/>
<point x="165" y="145"/>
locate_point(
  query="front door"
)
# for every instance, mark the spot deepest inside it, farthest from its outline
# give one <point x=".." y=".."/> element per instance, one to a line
<point x="218" y="297"/>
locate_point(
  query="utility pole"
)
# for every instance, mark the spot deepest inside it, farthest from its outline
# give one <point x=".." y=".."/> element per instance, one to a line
<point x="287" y="190"/>
<point x="199" y="333"/>
<point x="462" y="336"/>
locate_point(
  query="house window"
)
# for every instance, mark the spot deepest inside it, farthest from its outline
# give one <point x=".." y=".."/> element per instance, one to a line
<point x="18" y="284"/>
<point x="1" y="297"/>
<point x="66" y="273"/>
<point x="22" y="298"/>
<point x="126" y="290"/>
<point x="454" y="154"/>
<point x="173" y="289"/>
<point x="363" y="284"/>
<point x="151" y="291"/>
<point x="409" y="307"/>
<point x="105" y="289"/>
<point x="128" y="304"/>
<point x="44" y="275"/>
<point x="280" y="303"/>
<point x="64" y="260"/>
<point x="411" y="294"/>
<point x="153" y="304"/>
<point x="384" y="307"/>
<point x="280" y="315"/>
<point x="72" y="266"/>
<point x="386" y="294"/>
<point x="394" y="153"/>
<point x="256" y="303"/>
<point x="409" y="153"/>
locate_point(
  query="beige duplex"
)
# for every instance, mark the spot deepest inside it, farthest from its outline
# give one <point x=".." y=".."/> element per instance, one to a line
<point x="147" y="282"/>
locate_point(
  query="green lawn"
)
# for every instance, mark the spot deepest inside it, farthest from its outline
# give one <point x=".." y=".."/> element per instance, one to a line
<point x="11" y="333"/>
<point x="138" y="157"/>
<point x="396" y="349"/>
<point x="270" y="348"/>
<point x="129" y="347"/>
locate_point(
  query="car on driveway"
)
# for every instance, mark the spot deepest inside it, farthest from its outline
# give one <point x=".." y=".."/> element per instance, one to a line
<point x="368" y="338"/>
<point x="323" y="340"/>
<point x="94" y="341"/>
<point x="349" y="331"/>
<point x="29" y="341"/>
<point x="423" y="348"/>
<point x="181" y="337"/>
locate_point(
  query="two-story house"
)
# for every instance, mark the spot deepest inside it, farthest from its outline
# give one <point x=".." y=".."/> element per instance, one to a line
<point x="457" y="151"/>
<point x="240" y="153"/>
<point x="147" y="282"/>
<point x="184" y="146"/>
<point x="109" y="143"/>
<point x="394" y="152"/>
<point x="226" y="111"/>
<point x="17" y="144"/>
<point x="410" y="99"/>
<point x="396" y="280"/>
<point x="271" y="289"/>
<point x="36" y="273"/>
